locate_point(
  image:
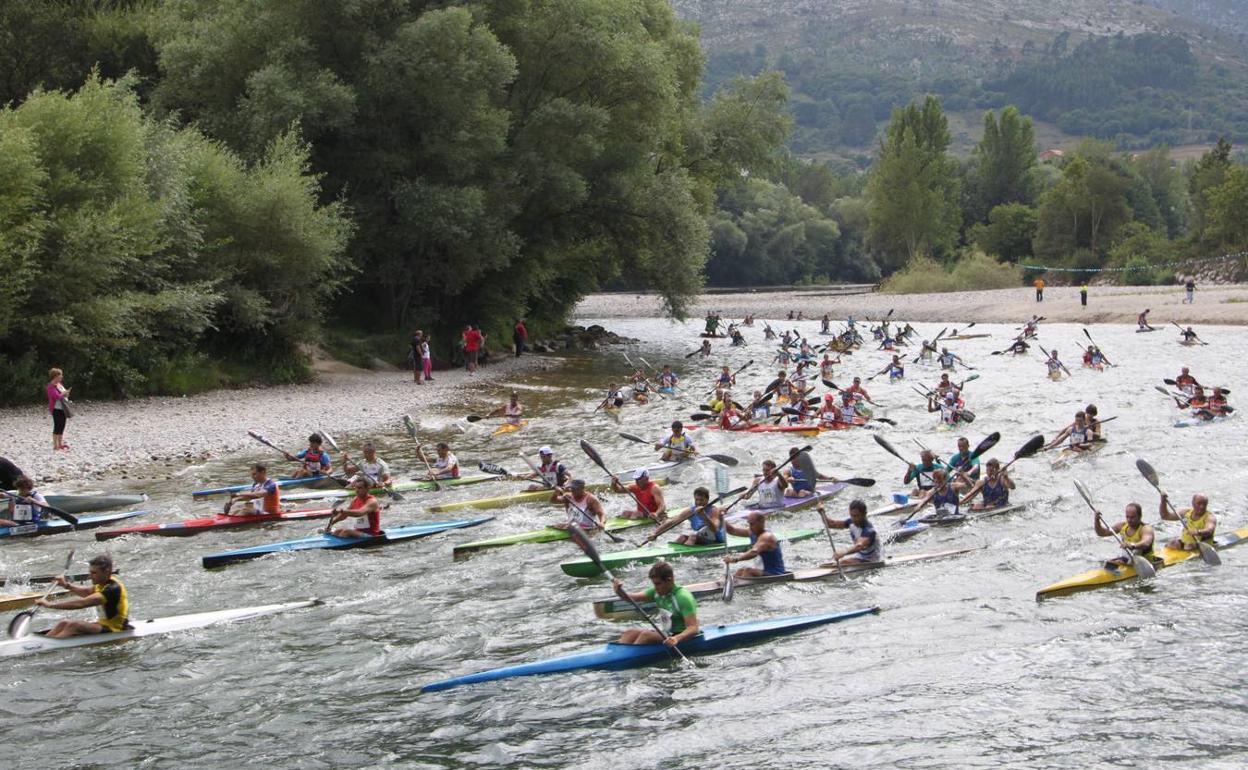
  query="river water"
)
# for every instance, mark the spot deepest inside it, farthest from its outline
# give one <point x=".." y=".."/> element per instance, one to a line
<point x="962" y="668"/>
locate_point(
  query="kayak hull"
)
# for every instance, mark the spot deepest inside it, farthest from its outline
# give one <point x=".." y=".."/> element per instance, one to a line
<point x="34" y="643"/>
<point x="25" y="599"/>
<point x="74" y="504"/>
<point x="188" y="527"/>
<point x="620" y="656"/>
<point x="284" y="483"/>
<point x="1067" y="455"/>
<point x="544" y="535"/>
<point x="58" y="526"/>
<point x="804" y="430"/>
<point x="516" y="498"/>
<point x="401" y="486"/>
<point x="969" y="514"/>
<point x="1108" y="574"/>
<point x="584" y="568"/>
<point x="324" y="542"/>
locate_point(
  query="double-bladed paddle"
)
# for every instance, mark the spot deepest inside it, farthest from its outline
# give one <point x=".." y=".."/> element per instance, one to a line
<point x="728" y="460"/>
<point x="492" y="468"/>
<point x="19" y="626"/>
<point x="1143" y="567"/>
<point x="986" y="444"/>
<point x="395" y="496"/>
<point x="73" y="520"/>
<point x="411" y="426"/>
<point x="1207" y="552"/>
<point x="1104" y="358"/>
<point x="1049" y="356"/>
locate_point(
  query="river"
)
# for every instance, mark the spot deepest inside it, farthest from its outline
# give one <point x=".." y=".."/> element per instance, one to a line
<point x="962" y="668"/>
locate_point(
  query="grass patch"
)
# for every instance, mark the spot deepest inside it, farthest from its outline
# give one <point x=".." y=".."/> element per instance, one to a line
<point x="362" y="350"/>
<point x="973" y="272"/>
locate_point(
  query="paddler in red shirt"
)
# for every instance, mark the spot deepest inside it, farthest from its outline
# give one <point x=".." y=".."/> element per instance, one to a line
<point x="363" y="507"/>
<point x="647" y="493"/>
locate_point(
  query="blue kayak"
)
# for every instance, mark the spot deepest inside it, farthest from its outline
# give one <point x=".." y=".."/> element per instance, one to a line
<point x="303" y="482"/>
<point x="53" y="526"/>
<point x="617" y="656"/>
<point x="324" y="542"/>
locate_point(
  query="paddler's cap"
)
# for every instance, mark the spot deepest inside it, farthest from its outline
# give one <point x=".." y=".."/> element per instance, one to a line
<point x="578" y="484"/>
<point x="827" y="397"/>
<point x="545" y="451"/>
<point x="640" y="474"/>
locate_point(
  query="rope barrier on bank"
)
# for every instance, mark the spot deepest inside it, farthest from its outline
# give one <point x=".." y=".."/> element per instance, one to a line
<point x="1194" y="260"/>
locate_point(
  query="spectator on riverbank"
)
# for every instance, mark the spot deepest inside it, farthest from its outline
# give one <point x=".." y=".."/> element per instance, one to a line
<point x="58" y="405"/>
<point x="1083" y="295"/>
<point x="473" y="341"/>
<point x="1190" y="288"/>
<point x="520" y="336"/>
<point x="1039" y="284"/>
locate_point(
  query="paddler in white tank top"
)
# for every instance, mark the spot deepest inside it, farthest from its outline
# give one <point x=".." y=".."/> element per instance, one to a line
<point x="584" y="510"/>
<point x="770" y="488"/>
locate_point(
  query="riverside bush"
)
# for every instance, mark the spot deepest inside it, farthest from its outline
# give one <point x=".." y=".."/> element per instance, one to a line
<point x="973" y="272"/>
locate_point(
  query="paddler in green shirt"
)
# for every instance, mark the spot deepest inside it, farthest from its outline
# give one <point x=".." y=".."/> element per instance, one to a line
<point x="672" y="599"/>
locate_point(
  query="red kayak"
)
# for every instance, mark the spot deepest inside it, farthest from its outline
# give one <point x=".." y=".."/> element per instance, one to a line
<point x="196" y="526"/>
<point x="811" y="429"/>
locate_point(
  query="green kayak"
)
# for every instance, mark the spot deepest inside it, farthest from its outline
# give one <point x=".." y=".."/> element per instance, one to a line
<point x="546" y="535"/>
<point x="586" y="568"/>
<point x="514" y="498"/>
<point x="401" y="486"/>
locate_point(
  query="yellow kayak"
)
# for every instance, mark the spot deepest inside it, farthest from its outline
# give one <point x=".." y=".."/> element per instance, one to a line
<point x="24" y="600"/>
<point x="509" y="427"/>
<point x="1110" y="574"/>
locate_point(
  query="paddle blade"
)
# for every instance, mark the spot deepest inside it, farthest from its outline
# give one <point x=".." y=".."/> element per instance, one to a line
<point x="631" y="437"/>
<point x="859" y="482"/>
<point x="728" y="460"/>
<point x="19" y="626"/>
<point x="885" y="420"/>
<point x="1083" y="492"/>
<point x="888" y="447"/>
<point x="1032" y="446"/>
<point x="988" y="443"/>
<point x="729" y="586"/>
<point x="578" y="536"/>
<point x="1209" y="554"/>
<point x="474" y="418"/>
<point x="1147" y="471"/>
<point x="1143" y="567"/>
<point x="410" y="425"/>
<point x="491" y="468"/>
<point x="699" y="417"/>
<point x="593" y="454"/>
<point x="967" y="416"/>
<point x="324" y="434"/>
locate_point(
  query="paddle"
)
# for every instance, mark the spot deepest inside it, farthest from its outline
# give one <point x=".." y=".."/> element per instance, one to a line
<point x="597" y="460"/>
<point x="987" y="443"/>
<point x="253" y="434"/>
<point x="932" y="347"/>
<point x="541" y="477"/>
<point x="1198" y="339"/>
<point x="1207" y="552"/>
<point x="410" y="424"/>
<point x="718" y="385"/>
<point x="19" y="626"/>
<point x="395" y="496"/>
<point x="1143" y="567"/>
<point x="671" y="523"/>
<point x="779" y="468"/>
<point x="73" y="520"/>
<point x="583" y="542"/>
<point x="728" y="460"/>
<point x="828" y="531"/>
<point x="1059" y="363"/>
<point x="1178" y="401"/>
<point x="1098" y="347"/>
<point x="492" y="468"/>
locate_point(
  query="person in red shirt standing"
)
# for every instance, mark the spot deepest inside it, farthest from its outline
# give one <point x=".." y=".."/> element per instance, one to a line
<point x="520" y="336"/>
<point x="473" y="340"/>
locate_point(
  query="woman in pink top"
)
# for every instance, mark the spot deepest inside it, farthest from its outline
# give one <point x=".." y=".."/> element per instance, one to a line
<point x="58" y="405"/>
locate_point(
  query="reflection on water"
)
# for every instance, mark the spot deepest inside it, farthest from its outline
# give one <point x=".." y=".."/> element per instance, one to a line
<point x="962" y="669"/>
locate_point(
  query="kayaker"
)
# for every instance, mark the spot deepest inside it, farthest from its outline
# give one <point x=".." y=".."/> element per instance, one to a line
<point x="738" y="339"/>
<point x="1019" y="347"/>
<point x="859" y="392"/>
<point x="729" y="417"/>
<point x="718" y="401"/>
<point x="668" y="380"/>
<point x="106" y="593"/>
<point x="921" y="474"/>
<point x="946" y="386"/>
<point x="768" y="332"/>
<point x="896" y="369"/>
<point x="1055" y="365"/>
<point x="1217" y="403"/>
<point x="641" y="387"/>
<point x="763" y="546"/>
<point x="512" y="412"/>
<point x="313" y="461"/>
<point x="584" y="510"/>
<point x="850" y="409"/>
<point x="995" y="487"/>
<point x="1138" y="537"/>
<point x="782" y="387"/>
<point x="646" y="493"/>
<point x="865" y="545"/>
<point x="1185" y="381"/>
<point x="27" y="507"/>
<point x="759" y="408"/>
<point x="704" y="519"/>
<point x="371" y="467"/>
<point x="678" y="446"/>
<point x="944" y="495"/>
<point x="947" y="405"/>
<point x="264" y="497"/>
<point x="554" y="472"/>
<point x="1200" y="522"/>
<point x="803" y="476"/>
<point x="1091" y="413"/>
<point x="962" y="462"/>
<point x="9" y="474"/>
<point x="712" y="323"/>
<point x="706" y="348"/>
<point x="1189" y="335"/>
<point x="672" y="599"/>
<point x="615" y="397"/>
<point x="1092" y="358"/>
<point x="769" y="487"/>
<point x="726" y="378"/>
<point x="444" y="464"/>
<point x="364" y="508"/>
<point x="1078" y="434"/>
<point x="827" y="367"/>
<point x="947" y="359"/>
<point x="830" y="414"/>
<point x="799" y="410"/>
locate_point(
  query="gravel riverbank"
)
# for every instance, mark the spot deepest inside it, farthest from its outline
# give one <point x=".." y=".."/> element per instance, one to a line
<point x="151" y="438"/>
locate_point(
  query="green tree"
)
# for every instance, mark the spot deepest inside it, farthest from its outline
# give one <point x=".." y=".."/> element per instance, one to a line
<point x="1209" y="172"/>
<point x="1006" y="155"/>
<point x="913" y="191"/>
<point x="1009" y="233"/>
<point x="1085" y="208"/>
<point x="1226" y="211"/>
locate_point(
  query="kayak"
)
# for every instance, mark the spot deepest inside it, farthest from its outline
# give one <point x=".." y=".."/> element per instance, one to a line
<point x="36" y="643"/>
<point x="402" y="486"/>
<point x="19" y="601"/>
<point x="73" y="504"/>
<point x="805" y="430"/>
<point x="1193" y="422"/>
<point x="966" y="337"/>
<point x="1149" y="329"/>
<point x="284" y="483"/>
<point x="188" y="527"/>
<point x="324" y="542"/>
<point x="826" y="427"/>
<point x="41" y="579"/>
<point x="1108" y="574"/>
<point x="509" y="427"/>
<point x="969" y="514"/>
<point x="1188" y="343"/>
<point x="616" y="608"/>
<point x="904" y="531"/>
<point x="618" y="656"/>
<point x="56" y="526"/>
<point x="515" y="498"/>
<point x="544" y="535"/>
<point x="1097" y="367"/>
<point x="1068" y="454"/>
<point x="586" y="569"/>
<point x="792" y="503"/>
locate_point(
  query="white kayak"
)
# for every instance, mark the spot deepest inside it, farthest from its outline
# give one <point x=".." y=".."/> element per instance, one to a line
<point x="36" y="643"/>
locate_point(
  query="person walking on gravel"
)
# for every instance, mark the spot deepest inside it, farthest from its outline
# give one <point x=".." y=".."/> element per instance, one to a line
<point x="1039" y="284"/>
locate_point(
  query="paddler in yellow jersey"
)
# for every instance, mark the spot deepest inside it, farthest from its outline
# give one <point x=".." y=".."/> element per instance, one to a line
<point x="674" y="599"/>
<point x="106" y="593"/>
<point x="1200" y="522"/>
<point x="1138" y="536"/>
<point x="677" y="447"/>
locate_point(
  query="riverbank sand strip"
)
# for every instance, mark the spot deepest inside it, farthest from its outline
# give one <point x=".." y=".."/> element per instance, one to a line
<point x="155" y="437"/>
<point x="1109" y="304"/>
